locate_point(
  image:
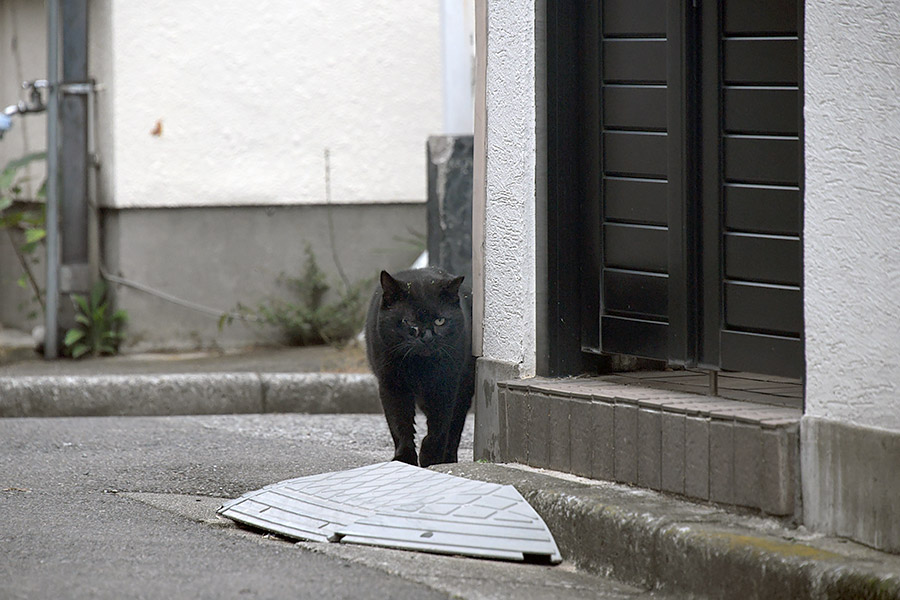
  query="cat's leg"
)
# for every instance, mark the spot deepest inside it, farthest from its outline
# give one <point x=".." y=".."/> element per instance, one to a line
<point x="434" y="445"/>
<point x="460" y="410"/>
<point x="400" y="413"/>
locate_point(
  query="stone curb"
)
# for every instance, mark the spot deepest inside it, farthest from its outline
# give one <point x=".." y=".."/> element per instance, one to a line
<point x="662" y="543"/>
<point x="187" y="394"/>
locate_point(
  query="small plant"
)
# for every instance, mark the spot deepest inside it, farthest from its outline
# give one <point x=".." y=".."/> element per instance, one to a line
<point x="309" y="319"/>
<point x="99" y="329"/>
<point x="28" y="221"/>
<point x="413" y="239"/>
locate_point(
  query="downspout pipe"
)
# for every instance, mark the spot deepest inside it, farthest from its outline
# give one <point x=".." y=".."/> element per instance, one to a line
<point x="51" y="312"/>
<point x="76" y="92"/>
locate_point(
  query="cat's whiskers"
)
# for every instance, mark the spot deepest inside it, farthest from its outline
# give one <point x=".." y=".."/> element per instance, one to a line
<point x="443" y="350"/>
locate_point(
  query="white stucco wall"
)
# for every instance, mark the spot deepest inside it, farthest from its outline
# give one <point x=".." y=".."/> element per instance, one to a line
<point x="250" y="95"/>
<point x="23" y="56"/>
<point x="510" y="188"/>
<point x="852" y="212"/>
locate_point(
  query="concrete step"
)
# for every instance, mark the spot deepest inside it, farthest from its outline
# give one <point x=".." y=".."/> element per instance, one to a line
<point x="735" y="453"/>
<point x="15" y="346"/>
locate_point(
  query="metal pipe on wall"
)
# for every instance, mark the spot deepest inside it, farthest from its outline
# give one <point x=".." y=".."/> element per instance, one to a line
<point x="73" y="133"/>
<point x="52" y="218"/>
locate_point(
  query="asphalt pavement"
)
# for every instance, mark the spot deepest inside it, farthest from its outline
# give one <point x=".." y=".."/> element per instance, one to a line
<point x="111" y="471"/>
<point x="124" y="507"/>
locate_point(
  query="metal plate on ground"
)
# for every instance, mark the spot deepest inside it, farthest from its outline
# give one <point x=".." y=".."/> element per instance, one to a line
<point x="396" y="505"/>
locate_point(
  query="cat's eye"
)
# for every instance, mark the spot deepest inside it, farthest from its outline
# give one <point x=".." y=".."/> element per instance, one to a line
<point x="440" y="321"/>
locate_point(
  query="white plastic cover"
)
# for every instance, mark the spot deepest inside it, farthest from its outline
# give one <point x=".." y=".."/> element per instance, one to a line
<point x="396" y="505"/>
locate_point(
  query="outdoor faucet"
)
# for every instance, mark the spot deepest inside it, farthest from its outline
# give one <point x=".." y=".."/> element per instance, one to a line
<point x="35" y="103"/>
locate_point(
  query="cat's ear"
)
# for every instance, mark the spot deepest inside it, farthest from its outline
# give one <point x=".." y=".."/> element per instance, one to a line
<point x="451" y="288"/>
<point x="391" y="290"/>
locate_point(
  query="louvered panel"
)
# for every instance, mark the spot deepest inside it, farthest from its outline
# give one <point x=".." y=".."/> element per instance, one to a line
<point x="766" y="110"/>
<point x="639" y="294"/>
<point x="634" y="18"/>
<point x="634" y="107"/>
<point x="635" y="247"/>
<point x="764" y="259"/>
<point x="757" y="159"/>
<point x="634" y="153"/>
<point x="760" y="17"/>
<point x="635" y="337"/>
<point x="736" y="258"/>
<point x="761" y="318"/>
<point x="637" y="154"/>
<point x="634" y="61"/>
<point x="762" y="209"/>
<point x="759" y="353"/>
<point x="761" y="61"/>
<point x="635" y="200"/>
<point x="763" y="308"/>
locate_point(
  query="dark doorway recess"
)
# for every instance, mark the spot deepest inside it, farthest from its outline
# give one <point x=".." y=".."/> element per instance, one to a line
<point x="675" y="183"/>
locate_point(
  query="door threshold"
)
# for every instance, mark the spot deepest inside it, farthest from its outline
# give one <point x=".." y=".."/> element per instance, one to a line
<point x="746" y="387"/>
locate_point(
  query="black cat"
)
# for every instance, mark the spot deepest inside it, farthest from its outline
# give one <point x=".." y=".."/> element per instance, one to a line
<point x="419" y="344"/>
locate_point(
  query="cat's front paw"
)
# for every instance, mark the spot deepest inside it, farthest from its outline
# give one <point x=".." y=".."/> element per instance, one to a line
<point x="407" y="455"/>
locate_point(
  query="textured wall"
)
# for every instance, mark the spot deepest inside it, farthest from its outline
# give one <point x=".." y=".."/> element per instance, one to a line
<point x="249" y="96"/>
<point x="509" y="229"/>
<point x="23" y="56"/>
<point x="852" y="212"/>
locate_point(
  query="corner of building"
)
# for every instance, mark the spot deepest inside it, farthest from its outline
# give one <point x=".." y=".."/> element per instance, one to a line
<point x="851" y="481"/>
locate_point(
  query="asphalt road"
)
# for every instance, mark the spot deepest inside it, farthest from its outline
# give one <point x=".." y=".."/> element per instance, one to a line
<point x="124" y="507"/>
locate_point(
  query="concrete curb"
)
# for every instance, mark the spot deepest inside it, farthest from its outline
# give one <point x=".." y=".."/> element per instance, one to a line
<point x="187" y="394"/>
<point x="660" y="542"/>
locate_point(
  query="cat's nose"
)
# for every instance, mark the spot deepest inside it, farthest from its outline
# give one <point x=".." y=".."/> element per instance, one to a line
<point x="427" y="335"/>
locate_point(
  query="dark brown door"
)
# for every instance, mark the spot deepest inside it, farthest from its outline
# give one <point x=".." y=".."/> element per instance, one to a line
<point x="690" y="160"/>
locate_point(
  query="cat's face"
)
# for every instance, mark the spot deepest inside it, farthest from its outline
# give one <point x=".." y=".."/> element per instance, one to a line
<point x="422" y="317"/>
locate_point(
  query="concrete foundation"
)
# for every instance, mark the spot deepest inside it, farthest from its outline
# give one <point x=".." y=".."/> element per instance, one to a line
<point x="851" y="481"/>
<point x="488" y="425"/>
<point x="220" y="256"/>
